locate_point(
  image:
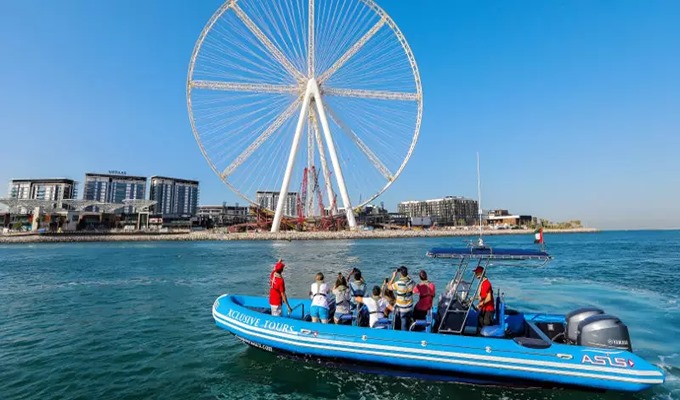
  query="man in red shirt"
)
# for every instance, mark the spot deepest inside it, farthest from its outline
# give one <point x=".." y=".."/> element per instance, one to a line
<point x="277" y="290"/>
<point x="485" y="305"/>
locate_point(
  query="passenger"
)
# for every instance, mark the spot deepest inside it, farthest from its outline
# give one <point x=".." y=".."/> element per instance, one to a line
<point x="277" y="290"/>
<point x="403" y="291"/>
<point x="376" y="305"/>
<point x="388" y="295"/>
<point x="319" y="296"/>
<point x="425" y="292"/>
<point x="342" y="298"/>
<point x="357" y="286"/>
<point x="485" y="305"/>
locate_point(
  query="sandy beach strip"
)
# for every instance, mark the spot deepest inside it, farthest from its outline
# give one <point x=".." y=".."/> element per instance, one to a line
<point x="287" y="235"/>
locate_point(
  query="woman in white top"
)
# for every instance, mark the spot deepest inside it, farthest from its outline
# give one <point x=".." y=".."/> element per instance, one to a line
<point x="319" y="296"/>
<point x="376" y="305"/>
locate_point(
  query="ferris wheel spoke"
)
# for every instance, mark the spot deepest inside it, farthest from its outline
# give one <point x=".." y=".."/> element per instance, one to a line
<point x="372" y="94"/>
<point x="310" y="38"/>
<point x="379" y="165"/>
<point x="351" y="51"/>
<point x="276" y="53"/>
<point x="241" y="158"/>
<point x="244" y="87"/>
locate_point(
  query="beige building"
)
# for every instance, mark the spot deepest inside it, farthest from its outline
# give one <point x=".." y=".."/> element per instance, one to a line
<point x="450" y="210"/>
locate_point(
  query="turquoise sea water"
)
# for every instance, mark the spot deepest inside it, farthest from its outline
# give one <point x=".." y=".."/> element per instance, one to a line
<point x="133" y="320"/>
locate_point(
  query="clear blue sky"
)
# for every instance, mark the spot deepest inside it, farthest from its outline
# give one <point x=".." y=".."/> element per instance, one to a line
<point x="574" y="106"/>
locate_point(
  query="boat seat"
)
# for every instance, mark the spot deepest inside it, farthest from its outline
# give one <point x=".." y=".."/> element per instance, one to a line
<point x="346" y="318"/>
<point x="383" y="323"/>
<point x="422" y="324"/>
<point x="532" y="343"/>
<point x="497" y="330"/>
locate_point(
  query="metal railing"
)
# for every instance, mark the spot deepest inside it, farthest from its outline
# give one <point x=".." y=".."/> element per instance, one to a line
<point x="302" y="316"/>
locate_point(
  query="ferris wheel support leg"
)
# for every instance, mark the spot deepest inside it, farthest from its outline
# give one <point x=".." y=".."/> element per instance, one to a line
<point x="334" y="155"/>
<point x="276" y="223"/>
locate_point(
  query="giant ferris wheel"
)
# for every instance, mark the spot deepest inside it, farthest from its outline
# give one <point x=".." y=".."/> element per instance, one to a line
<point x="321" y="97"/>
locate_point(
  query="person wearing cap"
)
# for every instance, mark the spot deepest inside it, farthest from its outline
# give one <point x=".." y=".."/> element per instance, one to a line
<point x="485" y="305"/>
<point x="277" y="290"/>
<point x="425" y="292"/>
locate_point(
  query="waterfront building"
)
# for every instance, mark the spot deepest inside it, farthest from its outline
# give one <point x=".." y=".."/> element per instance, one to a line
<point x="223" y="215"/>
<point x="503" y="219"/>
<point x="371" y="215"/>
<point x="43" y="189"/>
<point x="267" y="199"/>
<point x="173" y="196"/>
<point x="450" y="210"/>
<point x="114" y="187"/>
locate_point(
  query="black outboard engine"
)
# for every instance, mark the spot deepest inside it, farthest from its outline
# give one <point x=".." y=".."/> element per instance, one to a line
<point x="604" y="331"/>
<point x="575" y="317"/>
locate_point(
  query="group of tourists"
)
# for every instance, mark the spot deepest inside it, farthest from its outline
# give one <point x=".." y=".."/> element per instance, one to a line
<point x="394" y="296"/>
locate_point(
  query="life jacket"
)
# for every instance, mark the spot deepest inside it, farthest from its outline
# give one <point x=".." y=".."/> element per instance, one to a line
<point x="344" y="299"/>
<point x="357" y="288"/>
<point x="377" y="306"/>
<point x="430" y="292"/>
<point x="318" y="288"/>
<point x="404" y="293"/>
<point x="273" y="277"/>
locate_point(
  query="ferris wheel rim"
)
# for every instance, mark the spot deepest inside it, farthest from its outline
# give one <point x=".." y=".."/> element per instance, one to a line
<point x="407" y="51"/>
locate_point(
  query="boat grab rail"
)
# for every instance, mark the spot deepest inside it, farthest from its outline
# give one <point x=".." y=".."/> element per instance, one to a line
<point x="302" y="316"/>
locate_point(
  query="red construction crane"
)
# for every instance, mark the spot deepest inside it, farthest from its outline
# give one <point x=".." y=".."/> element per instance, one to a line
<point x="302" y="199"/>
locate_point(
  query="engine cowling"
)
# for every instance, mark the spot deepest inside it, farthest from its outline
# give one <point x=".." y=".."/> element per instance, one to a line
<point x="575" y="317"/>
<point x="604" y="331"/>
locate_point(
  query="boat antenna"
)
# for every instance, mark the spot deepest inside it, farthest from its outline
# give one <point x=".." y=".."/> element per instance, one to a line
<point x="479" y="202"/>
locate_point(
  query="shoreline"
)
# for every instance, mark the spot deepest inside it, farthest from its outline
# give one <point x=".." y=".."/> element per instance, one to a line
<point x="287" y="235"/>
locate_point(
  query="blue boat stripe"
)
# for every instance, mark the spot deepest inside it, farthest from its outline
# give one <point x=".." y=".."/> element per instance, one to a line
<point x="247" y="330"/>
<point x="400" y="350"/>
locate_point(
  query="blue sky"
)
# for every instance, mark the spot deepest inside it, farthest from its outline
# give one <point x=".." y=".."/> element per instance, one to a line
<point x="573" y="105"/>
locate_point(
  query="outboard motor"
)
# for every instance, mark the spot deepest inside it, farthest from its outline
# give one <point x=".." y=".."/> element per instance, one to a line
<point x="575" y="317"/>
<point x="604" y="331"/>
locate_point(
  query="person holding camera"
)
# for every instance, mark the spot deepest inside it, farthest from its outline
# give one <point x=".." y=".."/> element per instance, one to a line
<point x="402" y="285"/>
<point x="342" y="298"/>
<point x="357" y="286"/>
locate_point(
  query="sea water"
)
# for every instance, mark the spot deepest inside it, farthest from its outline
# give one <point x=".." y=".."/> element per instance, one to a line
<point x="133" y="320"/>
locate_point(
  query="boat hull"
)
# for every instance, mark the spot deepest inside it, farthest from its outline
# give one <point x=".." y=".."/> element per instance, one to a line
<point x="449" y="357"/>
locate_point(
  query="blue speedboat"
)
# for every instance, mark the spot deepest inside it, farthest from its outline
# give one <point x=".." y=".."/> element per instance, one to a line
<point x="585" y="348"/>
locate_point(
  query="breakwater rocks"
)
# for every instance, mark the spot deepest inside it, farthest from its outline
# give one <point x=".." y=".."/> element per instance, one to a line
<point x="253" y="235"/>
